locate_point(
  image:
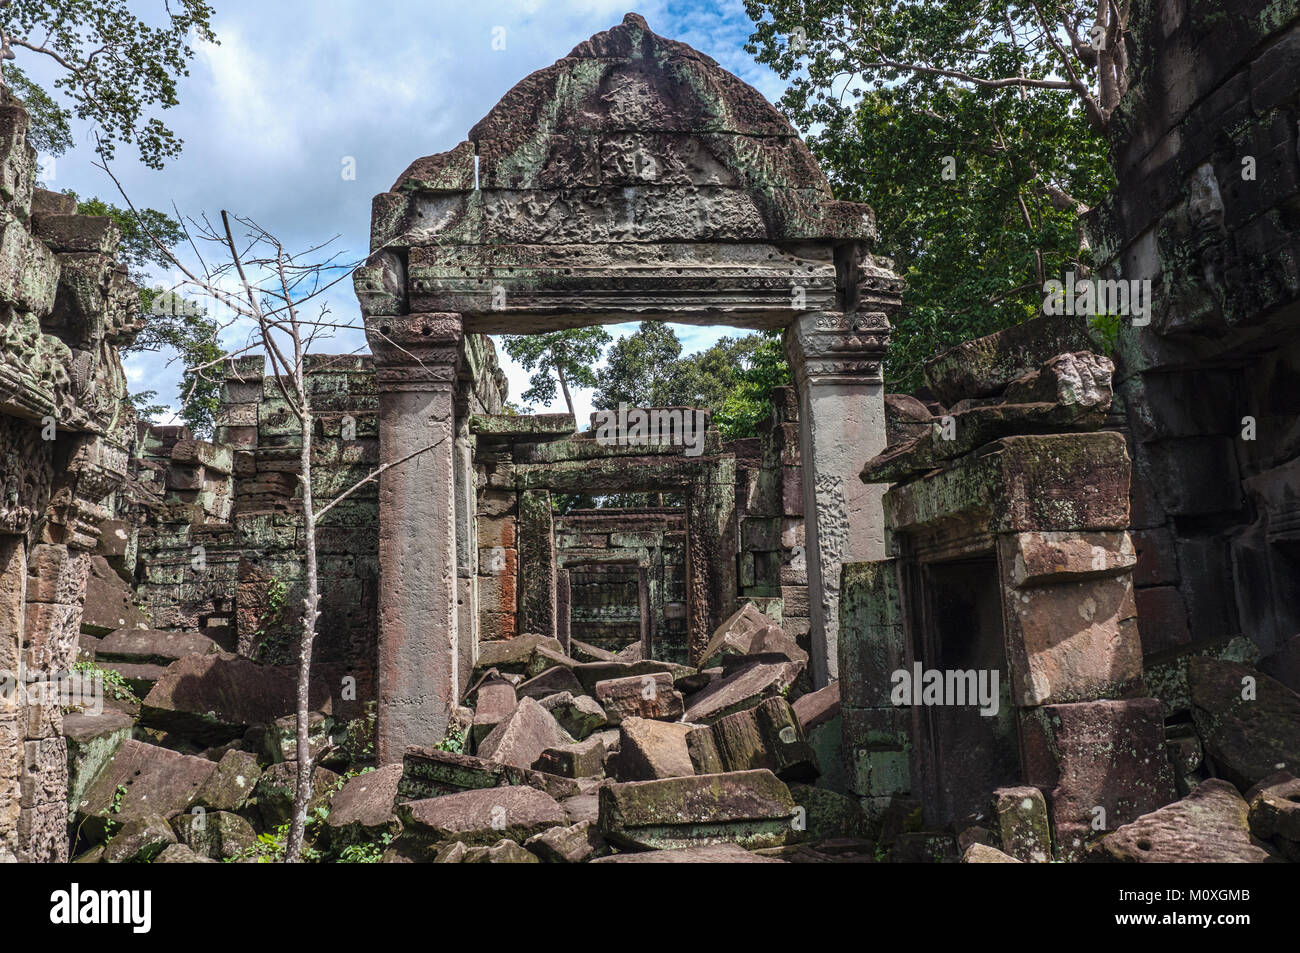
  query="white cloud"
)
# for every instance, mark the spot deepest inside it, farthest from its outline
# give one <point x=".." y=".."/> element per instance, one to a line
<point x="294" y="86"/>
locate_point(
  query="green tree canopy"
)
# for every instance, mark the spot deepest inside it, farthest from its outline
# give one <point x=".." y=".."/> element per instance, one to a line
<point x="113" y="66"/>
<point x="973" y="127"/>
<point x="557" y="359"/>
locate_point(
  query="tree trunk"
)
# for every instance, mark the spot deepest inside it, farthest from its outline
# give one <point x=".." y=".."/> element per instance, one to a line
<point x="302" y="792"/>
<point x="564" y="386"/>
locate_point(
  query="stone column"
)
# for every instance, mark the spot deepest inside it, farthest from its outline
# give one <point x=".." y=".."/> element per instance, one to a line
<point x="416" y="358"/>
<point x="710" y="553"/>
<point x="836" y="359"/>
<point x="466" y="544"/>
<point x="536" y="564"/>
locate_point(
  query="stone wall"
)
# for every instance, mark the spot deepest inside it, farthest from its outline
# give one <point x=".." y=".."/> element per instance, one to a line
<point x="255" y="421"/>
<point x="66" y="425"/>
<point x="1008" y="516"/>
<point x="1205" y="149"/>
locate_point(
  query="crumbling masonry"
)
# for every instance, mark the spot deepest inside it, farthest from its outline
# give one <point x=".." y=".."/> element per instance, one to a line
<point x="1104" y="539"/>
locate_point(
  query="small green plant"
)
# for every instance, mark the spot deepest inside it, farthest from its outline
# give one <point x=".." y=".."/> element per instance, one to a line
<point x="269" y="847"/>
<point x="1106" y="327"/>
<point x="107" y="676"/>
<point x="115" y="807"/>
<point x="366" y="852"/>
<point x="453" y="741"/>
<point x="273" y="642"/>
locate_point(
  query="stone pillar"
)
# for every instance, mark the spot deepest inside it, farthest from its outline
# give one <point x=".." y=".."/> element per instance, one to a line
<point x="563" y="606"/>
<point x="710" y="553"/>
<point x="836" y="359"/>
<point x="536" y="563"/>
<point x="13" y="588"/>
<point x="416" y="358"/>
<point x="466" y="545"/>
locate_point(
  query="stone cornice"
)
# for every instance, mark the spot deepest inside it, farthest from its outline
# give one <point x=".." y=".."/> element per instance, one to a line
<point x="827" y="347"/>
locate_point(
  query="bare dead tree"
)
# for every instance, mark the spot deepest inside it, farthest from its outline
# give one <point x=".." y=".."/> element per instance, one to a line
<point x="249" y="272"/>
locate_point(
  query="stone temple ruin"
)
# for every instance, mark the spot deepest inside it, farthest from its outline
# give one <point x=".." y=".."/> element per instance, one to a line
<point x="1083" y="545"/>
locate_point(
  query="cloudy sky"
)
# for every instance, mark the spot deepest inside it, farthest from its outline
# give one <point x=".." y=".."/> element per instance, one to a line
<point x="298" y="88"/>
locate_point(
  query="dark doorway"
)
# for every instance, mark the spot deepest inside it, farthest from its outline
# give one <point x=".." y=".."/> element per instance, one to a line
<point x="969" y="754"/>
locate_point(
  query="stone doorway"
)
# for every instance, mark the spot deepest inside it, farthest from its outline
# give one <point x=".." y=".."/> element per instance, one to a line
<point x="966" y="752"/>
<point x="632" y="180"/>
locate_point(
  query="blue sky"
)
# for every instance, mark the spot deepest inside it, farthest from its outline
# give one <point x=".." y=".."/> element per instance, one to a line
<point x="296" y="88"/>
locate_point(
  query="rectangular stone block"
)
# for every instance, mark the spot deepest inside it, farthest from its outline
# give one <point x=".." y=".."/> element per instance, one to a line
<point x="50" y="636"/>
<point x="750" y="808"/>
<point x="1102" y="764"/>
<point x="1162" y="619"/>
<point x="871" y="633"/>
<point x="1069" y="641"/>
<point x="1061" y="482"/>
<point x="56" y="574"/>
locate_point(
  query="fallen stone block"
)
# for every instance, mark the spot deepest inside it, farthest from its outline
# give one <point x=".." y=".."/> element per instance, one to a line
<point x="512" y="655"/>
<point x="1209" y="826"/>
<point x="650" y="750"/>
<point x="582" y="759"/>
<point x="429" y="773"/>
<point x="582" y="807"/>
<point x="983" y="367"/>
<point x="825" y="815"/>
<point x="213" y="699"/>
<point x="139" y="840"/>
<point x="109" y="601"/>
<point x="521" y="738"/>
<point x="479" y="818"/>
<point x="92" y="741"/>
<point x="545" y="658"/>
<point x="582" y="652"/>
<point x="551" y="682"/>
<point x="630" y="653"/>
<point x="152" y="780"/>
<point x="140" y="677"/>
<point x="773" y="641"/>
<point x="765" y="736"/>
<point x="589" y="673"/>
<point x="503" y="852"/>
<point x="273" y="796"/>
<point x="180" y="854"/>
<point x="1023" y="827"/>
<point x="749" y="808"/>
<point x="639" y="696"/>
<point x="229" y="787"/>
<point x="364" y="807"/>
<point x="494" y="701"/>
<point x="702" y="748"/>
<point x="280" y="741"/>
<point x="1275" y="809"/>
<point x="1247" y="738"/>
<point x="735" y="635"/>
<point x="575" y="844"/>
<point x="219" y="835"/>
<point x="984" y="854"/>
<point x="723" y="853"/>
<point x="744" y="688"/>
<point x="578" y="715"/>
